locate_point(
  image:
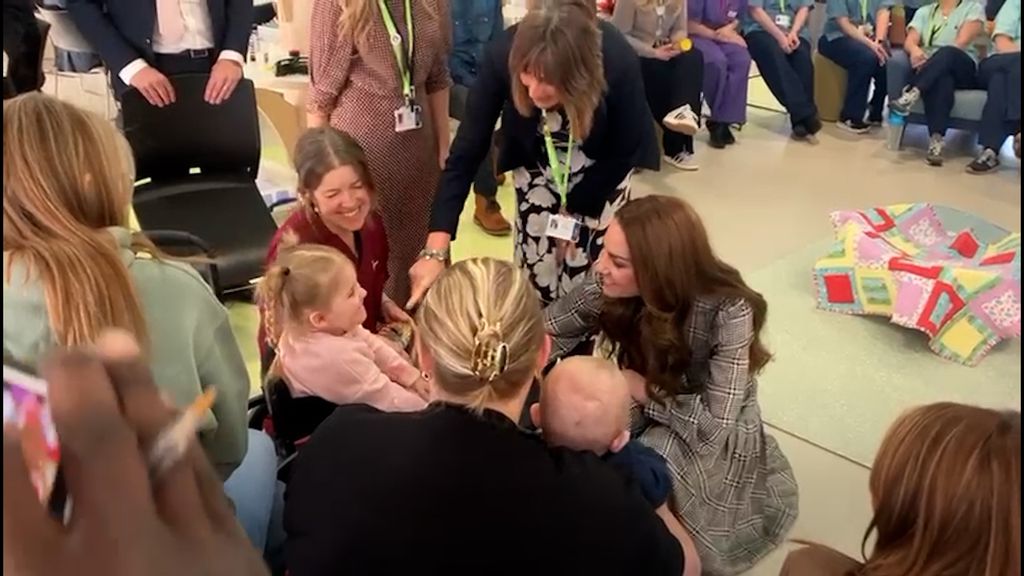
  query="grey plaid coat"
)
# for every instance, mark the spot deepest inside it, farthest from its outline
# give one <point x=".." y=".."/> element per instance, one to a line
<point x="732" y="486"/>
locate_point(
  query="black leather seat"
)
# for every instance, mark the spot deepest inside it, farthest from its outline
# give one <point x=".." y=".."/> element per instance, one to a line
<point x="196" y="168"/>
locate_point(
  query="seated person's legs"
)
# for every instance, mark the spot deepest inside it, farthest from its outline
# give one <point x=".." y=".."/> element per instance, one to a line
<point x="997" y="122"/>
<point x="861" y="66"/>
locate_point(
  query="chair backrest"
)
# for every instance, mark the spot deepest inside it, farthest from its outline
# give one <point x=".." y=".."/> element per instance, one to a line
<point x="192" y="134"/>
<point x="63" y="32"/>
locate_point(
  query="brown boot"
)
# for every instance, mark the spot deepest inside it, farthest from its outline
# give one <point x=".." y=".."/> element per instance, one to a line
<point x="488" y="217"/>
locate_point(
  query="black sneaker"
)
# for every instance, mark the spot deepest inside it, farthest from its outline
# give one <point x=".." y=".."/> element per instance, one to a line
<point x="717" y="138"/>
<point x="800" y="131"/>
<point x="813" y="125"/>
<point x="986" y="162"/>
<point x="727" y="134"/>
<point x="854" y="126"/>
<point x="875" y="120"/>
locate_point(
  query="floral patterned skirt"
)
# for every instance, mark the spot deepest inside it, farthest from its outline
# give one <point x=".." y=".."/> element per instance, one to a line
<point x="537" y="198"/>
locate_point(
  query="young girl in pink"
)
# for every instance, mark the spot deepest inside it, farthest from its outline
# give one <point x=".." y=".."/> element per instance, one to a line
<point x="312" y="305"/>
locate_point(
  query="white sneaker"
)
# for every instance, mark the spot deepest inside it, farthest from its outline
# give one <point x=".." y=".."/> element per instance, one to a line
<point x="684" y="161"/>
<point x="906" y="101"/>
<point x="682" y="120"/>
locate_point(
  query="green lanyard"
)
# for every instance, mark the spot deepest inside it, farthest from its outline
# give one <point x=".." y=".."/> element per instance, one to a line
<point x="560" y="171"/>
<point x="863" y="11"/>
<point x="404" y="60"/>
<point x="934" y="30"/>
<point x="782" y="6"/>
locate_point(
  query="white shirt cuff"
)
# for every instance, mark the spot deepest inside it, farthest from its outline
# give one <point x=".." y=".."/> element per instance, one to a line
<point x="233" y="56"/>
<point x="128" y="72"/>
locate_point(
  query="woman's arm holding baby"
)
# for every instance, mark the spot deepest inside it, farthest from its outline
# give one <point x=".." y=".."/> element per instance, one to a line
<point x="692" y="567"/>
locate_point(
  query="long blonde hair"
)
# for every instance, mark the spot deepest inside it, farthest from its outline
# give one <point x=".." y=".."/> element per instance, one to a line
<point x="946" y="488"/>
<point x="303" y="278"/>
<point x="482" y="324"/>
<point x="559" y="42"/>
<point x="358" y="17"/>
<point x="68" y="175"/>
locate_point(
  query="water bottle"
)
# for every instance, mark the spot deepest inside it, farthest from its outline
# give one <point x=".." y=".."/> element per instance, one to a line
<point x="894" y="135"/>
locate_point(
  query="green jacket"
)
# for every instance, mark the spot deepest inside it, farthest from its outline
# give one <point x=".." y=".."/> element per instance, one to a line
<point x="191" y="342"/>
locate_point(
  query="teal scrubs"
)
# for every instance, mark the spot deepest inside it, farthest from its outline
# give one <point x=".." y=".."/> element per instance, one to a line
<point x="937" y="31"/>
<point x="1007" y="21"/>
<point x="859" y="12"/>
<point x="775" y="8"/>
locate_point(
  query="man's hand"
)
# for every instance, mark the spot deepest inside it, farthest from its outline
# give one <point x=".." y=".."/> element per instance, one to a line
<point x="918" y="58"/>
<point x="794" y="41"/>
<point x="224" y="78"/>
<point x="729" y="34"/>
<point x="784" y="43"/>
<point x="666" y="52"/>
<point x="880" y="52"/>
<point x="154" y="86"/>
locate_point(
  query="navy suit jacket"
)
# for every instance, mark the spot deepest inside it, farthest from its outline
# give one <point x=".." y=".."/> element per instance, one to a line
<point x="122" y="30"/>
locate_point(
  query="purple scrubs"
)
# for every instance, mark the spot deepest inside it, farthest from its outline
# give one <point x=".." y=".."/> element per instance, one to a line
<point x="726" y="66"/>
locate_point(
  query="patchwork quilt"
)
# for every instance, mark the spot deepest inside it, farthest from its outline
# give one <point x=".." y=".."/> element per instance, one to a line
<point x="903" y="262"/>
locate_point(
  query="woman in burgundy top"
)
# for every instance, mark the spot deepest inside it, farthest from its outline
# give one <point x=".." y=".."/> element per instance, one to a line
<point x="336" y="193"/>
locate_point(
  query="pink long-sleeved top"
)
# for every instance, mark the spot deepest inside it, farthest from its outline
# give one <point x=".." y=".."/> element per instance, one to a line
<point x="357" y="368"/>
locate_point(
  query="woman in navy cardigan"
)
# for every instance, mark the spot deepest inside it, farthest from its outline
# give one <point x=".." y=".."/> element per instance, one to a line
<point x="575" y="124"/>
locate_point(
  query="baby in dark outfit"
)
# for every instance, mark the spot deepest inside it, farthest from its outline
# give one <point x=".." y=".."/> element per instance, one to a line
<point x="584" y="405"/>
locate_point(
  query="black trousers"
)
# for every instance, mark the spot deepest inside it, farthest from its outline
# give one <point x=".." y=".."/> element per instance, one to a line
<point x="946" y="71"/>
<point x="23" y="43"/>
<point x="790" y="77"/>
<point x="669" y="85"/>
<point x="1000" y="75"/>
<point x="484" y="183"/>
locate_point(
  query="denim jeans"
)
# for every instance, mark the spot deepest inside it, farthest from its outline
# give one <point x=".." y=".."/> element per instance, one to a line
<point x="252" y="488"/>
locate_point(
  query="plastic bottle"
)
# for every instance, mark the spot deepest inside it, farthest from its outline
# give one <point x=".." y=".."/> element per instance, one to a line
<point x="894" y="134"/>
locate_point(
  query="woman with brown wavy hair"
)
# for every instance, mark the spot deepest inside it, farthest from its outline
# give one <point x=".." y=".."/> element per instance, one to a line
<point x="946" y="492"/>
<point x="687" y="330"/>
<point x="379" y="72"/>
<point x="575" y="123"/>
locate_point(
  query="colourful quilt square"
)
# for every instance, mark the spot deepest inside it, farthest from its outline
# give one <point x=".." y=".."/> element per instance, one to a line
<point x="839" y="288"/>
<point x="965" y="340"/>
<point x="942" y="305"/>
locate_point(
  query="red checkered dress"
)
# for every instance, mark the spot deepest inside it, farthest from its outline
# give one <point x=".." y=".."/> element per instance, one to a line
<point x="360" y="89"/>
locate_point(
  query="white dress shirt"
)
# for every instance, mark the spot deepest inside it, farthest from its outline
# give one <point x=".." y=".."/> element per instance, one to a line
<point x="195" y="15"/>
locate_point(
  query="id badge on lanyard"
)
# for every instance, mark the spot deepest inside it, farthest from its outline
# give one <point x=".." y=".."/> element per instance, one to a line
<point x="866" y="27"/>
<point x="560" y="226"/>
<point x="409" y="116"/>
<point x="783" y="20"/>
<point x="729" y="11"/>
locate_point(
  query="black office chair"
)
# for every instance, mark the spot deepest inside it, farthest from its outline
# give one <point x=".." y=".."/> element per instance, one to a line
<point x="196" y="167"/>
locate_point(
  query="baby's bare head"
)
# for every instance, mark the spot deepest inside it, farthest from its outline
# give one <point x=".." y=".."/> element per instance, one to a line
<point x="584" y="405"/>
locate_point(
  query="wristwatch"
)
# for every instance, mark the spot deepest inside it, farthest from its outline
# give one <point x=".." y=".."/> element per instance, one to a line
<point x="444" y="255"/>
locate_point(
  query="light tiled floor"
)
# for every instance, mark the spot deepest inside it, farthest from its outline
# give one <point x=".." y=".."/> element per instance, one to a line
<point x="767" y="197"/>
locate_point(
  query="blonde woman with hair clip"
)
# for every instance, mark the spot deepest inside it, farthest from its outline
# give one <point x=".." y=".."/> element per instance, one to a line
<point x="73" y="269"/>
<point x="379" y="71"/>
<point x="458" y="488"/>
<point x="945" y="487"/>
<point x="575" y="123"/>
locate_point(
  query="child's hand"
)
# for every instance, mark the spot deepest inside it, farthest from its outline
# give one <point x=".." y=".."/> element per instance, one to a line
<point x="637" y="387"/>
